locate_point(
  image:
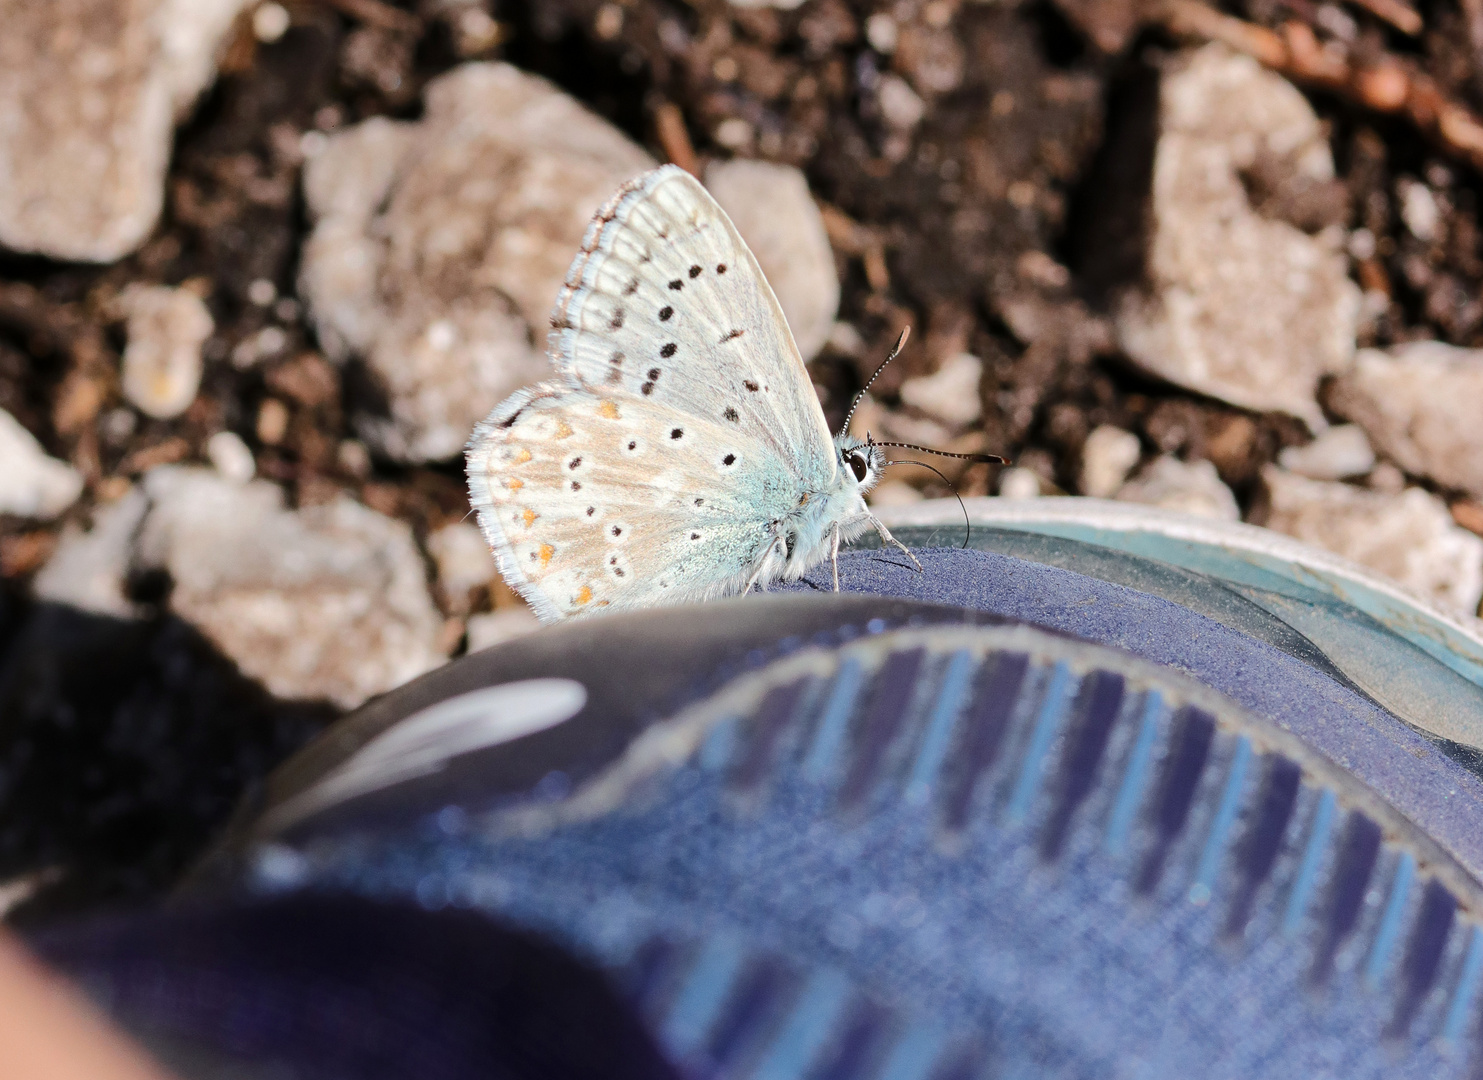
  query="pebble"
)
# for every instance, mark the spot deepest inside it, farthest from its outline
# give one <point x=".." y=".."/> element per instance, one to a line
<point x="440" y="245"/>
<point x="1186" y="487"/>
<point x="1016" y="483"/>
<point x="32" y="484"/>
<point x="773" y="210"/>
<point x="1338" y="453"/>
<point x="951" y="393"/>
<point x="497" y="627"/>
<point x="89" y="568"/>
<point x="162" y="362"/>
<point x="231" y="457"/>
<point x="1244" y="308"/>
<point x="1422" y="405"/>
<point x="1409" y="537"/>
<point x="463" y="559"/>
<point x="326" y="602"/>
<point x="1107" y="456"/>
<point x="90" y="92"/>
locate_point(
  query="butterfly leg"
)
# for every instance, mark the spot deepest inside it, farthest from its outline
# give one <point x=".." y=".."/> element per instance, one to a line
<point x="756" y="577"/>
<point x="834" y="555"/>
<point x="886" y="537"/>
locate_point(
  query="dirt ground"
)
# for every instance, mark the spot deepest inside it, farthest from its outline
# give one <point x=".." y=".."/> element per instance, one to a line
<point x="1032" y="160"/>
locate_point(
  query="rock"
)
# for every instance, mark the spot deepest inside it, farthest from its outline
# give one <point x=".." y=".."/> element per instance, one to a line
<point x="439" y="246"/>
<point x="1341" y="451"/>
<point x="327" y="602"/>
<point x="231" y="457"/>
<point x="1187" y="487"/>
<point x="773" y="210"/>
<point x="1420" y="404"/>
<point x="1409" y="537"/>
<point x="162" y="361"/>
<point x="463" y="559"/>
<point x="89" y="570"/>
<point x="951" y="393"/>
<point x="894" y="493"/>
<point x="1107" y="456"/>
<point x="900" y="106"/>
<point x="32" y="485"/>
<point x="1017" y="483"/>
<point x="1243" y="308"/>
<point x="90" y="91"/>
<point x="497" y="627"/>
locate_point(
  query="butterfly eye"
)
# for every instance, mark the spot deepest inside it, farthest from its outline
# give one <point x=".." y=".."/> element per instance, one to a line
<point x="857" y="464"/>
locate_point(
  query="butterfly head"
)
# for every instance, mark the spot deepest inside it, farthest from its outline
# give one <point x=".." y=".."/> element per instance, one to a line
<point x="860" y="460"/>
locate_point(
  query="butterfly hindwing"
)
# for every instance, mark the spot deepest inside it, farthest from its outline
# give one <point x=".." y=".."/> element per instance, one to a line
<point x="604" y="499"/>
<point x="666" y="301"/>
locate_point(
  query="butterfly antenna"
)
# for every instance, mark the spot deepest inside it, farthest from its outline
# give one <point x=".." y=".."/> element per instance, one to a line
<point x="895" y="352"/>
<point x="967" y="525"/>
<point x="983" y="459"/>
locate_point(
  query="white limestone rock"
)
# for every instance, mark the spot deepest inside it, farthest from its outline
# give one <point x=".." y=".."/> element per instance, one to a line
<point x="1422" y="404"/>
<point x="773" y="210"/>
<point x="32" y="484"/>
<point x="1409" y="537"/>
<point x="1242" y="308"/>
<point x="1107" y="456"/>
<point x="1338" y="453"/>
<point x="327" y="602"/>
<point x="463" y="559"/>
<point x="90" y="92"/>
<point x="1186" y="487"/>
<point x="90" y="568"/>
<point x="162" y="362"/>
<point x="439" y="246"/>
<point x="1016" y="483"/>
<point x="951" y="393"/>
<point x="497" y="627"/>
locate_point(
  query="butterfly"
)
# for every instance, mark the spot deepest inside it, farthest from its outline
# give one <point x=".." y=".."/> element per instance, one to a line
<point x="682" y="453"/>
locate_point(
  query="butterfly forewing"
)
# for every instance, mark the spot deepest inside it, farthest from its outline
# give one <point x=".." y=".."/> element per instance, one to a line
<point x="603" y="499"/>
<point x="666" y="301"/>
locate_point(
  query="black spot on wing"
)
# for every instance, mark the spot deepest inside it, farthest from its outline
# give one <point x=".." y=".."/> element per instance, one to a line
<point x="665" y="313"/>
<point x="732" y="336"/>
<point x="668" y="350"/>
<point x="631" y="288"/>
<point x="695" y="271"/>
<point x="750" y="385"/>
<point x="573" y="463"/>
<point x="729" y="459"/>
<point x="720" y="268"/>
<point x="616" y="322"/>
<point x="731" y="415"/>
<point x="676" y="433"/>
<point x="676" y="284"/>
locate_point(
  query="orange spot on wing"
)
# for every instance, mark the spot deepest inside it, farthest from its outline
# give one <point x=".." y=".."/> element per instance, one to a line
<point x="563" y="429"/>
<point x="522" y="457"/>
<point x="515" y="483"/>
<point x="546" y="552"/>
<point x="584" y="596"/>
<point x="609" y="410"/>
<point x="529" y="516"/>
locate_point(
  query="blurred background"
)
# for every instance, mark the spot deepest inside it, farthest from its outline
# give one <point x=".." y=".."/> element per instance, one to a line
<point x="263" y="265"/>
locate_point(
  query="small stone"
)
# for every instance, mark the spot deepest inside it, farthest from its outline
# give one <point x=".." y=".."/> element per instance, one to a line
<point x="231" y="457"/>
<point x="1340" y="452"/>
<point x="901" y="107"/>
<point x="262" y="292"/>
<point x="881" y="33"/>
<point x="1246" y="309"/>
<point x="272" y="421"/>
<point x="32" y="485"/>
<point x="951" y="393"/>
<point x="463" y="559"/>
<point x="326" y="602"/>
<point x="89" y="569"/>
<point x="1107" y="456"/>
<point x="734" y="133"/>
<point x="1410" y="537"/>
<point x="1016" y="483"/>
<point x="1419" y="209"/>
<point x="90" y="91"/>
<point x="162" y="361"/>
<point x="270" y="22"/>
<point x="1186" y="487"/>
<point x="440" y="246"/>
<point x="773" y="210"/>
<point x="894" y="493"/>
<point x="1421" y="405"/>
<point x="498" y="627"/>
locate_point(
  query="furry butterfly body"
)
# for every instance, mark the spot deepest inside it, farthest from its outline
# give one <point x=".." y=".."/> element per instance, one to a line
<point x="682" y="453"/>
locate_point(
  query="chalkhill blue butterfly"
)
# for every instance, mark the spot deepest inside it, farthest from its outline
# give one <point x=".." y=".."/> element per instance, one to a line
<point x="682" y="453"/>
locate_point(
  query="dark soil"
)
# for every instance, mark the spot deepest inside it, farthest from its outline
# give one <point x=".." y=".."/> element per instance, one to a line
<point x="1033" y="158"/>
